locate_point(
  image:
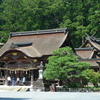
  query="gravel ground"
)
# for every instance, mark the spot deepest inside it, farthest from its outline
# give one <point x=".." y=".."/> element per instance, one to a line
<point x="4" y="95"/>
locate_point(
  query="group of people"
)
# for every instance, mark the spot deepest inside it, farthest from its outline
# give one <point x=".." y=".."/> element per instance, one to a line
<point x="16" y="81"/>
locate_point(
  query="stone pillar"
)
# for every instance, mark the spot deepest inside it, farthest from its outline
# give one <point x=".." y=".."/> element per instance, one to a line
<point x="40" y="70"/>
<point x="40" y="73"/>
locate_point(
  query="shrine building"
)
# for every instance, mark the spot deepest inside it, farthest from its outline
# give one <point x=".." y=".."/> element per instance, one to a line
<point x="90" y="52"/>
<point x="26" y="53"/>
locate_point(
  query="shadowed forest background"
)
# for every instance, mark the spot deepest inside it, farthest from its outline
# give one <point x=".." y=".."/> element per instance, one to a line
<point x="78" y="16"/>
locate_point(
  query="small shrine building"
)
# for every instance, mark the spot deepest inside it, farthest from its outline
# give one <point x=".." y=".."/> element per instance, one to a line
<point x="90" y="52"/>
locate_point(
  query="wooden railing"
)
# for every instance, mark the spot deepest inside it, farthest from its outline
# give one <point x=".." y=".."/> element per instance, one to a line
<point x="2" y="81"/>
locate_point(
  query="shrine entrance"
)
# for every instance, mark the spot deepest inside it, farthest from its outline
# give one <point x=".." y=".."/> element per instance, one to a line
<point x="17" y="65"/>
<point x="30" y="75"/>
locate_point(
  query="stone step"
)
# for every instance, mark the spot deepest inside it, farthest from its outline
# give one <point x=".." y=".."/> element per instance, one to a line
<point x="24" y="89"/>
<point x="17" y="89"/>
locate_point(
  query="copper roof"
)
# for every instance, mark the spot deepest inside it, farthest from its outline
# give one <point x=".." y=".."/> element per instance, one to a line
<point x="42" y="43"/>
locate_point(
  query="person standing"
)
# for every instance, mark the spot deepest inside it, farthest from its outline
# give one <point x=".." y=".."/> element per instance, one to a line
<point x="8" y="80"/>
<point x="17" y="81"/>
<point x="23" y="80"/>
<point x="13" y="81"/>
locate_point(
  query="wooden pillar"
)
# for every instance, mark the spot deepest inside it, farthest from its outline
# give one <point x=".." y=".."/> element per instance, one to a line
<point x="6" y="75"/>
<point x="32" y="77"/>
<point x="0" y="73"/>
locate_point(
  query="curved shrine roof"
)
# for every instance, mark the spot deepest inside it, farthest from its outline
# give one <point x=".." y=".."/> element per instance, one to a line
<point x="41" y="42"/>
<point x="85" y="53"/>
<point x="93" y="41"/>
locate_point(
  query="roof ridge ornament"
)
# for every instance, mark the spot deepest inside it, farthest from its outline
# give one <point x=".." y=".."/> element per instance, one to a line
<point x="13" y="45"/>
<point x="88" y="36"/>
<point x="93" y="34"/>
<point x="94" y="39"/>
<point x="16" y="45"/>
<point x="91" y="37"/>
<point x="38" y="32"/>
<point x="65" y="31"/>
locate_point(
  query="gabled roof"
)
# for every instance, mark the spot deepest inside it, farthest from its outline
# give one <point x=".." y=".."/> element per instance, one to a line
<point x="85" y="53"/>
<point x="93" y="62"/>
<point x="89" y="51"/>
<point x="93" y="42"/>
<point x="36" y="43"/>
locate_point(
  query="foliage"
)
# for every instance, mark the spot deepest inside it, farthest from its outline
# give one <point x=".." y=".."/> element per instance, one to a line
<point x="79" y="16"/>
<point x="3" y="36"/>
<point x="29" y="15"/>
<point x="91" y="76"/>
<point x="63" y="64"/>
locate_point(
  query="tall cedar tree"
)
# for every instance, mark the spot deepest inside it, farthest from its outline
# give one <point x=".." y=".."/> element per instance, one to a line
<point x="79" y="16"/>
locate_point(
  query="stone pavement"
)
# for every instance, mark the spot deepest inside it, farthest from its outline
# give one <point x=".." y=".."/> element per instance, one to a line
<point x="4" y="95"/>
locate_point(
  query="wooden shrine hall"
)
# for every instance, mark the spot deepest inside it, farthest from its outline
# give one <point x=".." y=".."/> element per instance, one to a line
<point x="90" y="52"/>
<point x="26" y="53"/>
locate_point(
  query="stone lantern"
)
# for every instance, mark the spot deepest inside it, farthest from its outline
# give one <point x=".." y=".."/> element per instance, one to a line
<point x="41" y="70"/>
<point x="39" y="85"/>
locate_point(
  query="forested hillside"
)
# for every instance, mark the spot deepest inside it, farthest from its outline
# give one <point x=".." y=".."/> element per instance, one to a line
<point x="79" y="16"/>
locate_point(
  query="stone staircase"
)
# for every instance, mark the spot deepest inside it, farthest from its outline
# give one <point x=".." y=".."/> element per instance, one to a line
<point x="21" y="89"/>
<point x="38" y="85"/>
<point x="15" y="88"/>
<point x="24" y="89"/>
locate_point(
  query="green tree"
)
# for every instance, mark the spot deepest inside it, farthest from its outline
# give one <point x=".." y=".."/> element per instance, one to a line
<point x="91" y="76"/>
<point x="3" y="34"/>
<point x="79" y="16"/>
<point x="82" y="16"/>
<point x="28" y="15"/>
<point x="63" y="64"/>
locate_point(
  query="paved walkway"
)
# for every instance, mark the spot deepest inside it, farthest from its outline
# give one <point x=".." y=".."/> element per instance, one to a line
<point x="10" y="95"/>
<point x="48" y="96"/>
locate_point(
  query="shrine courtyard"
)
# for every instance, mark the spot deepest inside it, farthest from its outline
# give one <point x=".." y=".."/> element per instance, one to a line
<point x="48" y="96"/>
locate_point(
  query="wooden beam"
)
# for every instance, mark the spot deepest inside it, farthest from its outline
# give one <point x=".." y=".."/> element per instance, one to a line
<point x="28" y="60"/>
<point x="17" y="69"/>
<point x="87" y="35"/>
<point x="93" y="34"/>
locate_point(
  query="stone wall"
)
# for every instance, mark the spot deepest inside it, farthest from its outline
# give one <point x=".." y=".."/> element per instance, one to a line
<point x="65" y="89"/>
